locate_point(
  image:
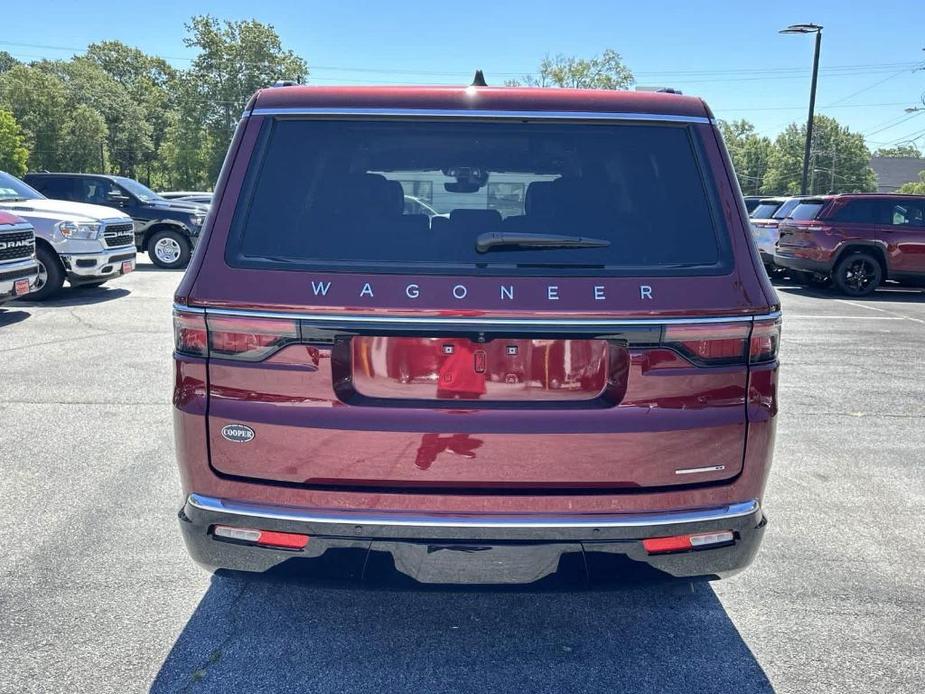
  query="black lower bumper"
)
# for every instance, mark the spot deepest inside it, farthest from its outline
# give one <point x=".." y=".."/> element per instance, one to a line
<point x="801" y="264"/>
<point x="469" y="549"/>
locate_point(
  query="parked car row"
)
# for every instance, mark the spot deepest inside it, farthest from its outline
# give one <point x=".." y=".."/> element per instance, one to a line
<point x="854" y="241"/>
<point x="88" y="227"/>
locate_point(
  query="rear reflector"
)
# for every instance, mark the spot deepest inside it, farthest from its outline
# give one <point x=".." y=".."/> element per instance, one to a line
<point x="681" y="543"/>
<point x="264" y="538"/>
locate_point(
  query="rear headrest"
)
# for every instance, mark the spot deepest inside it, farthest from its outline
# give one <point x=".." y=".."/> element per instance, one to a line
<point x="539" y="200"/>
<point x="374" y="194"/>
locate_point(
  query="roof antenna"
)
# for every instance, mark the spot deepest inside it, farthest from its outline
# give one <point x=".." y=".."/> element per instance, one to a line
<point x="479" y="80"/>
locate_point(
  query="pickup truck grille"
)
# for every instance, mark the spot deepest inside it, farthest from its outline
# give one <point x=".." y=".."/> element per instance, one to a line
<point x="12" y="246"/>
<point x="119" y="235"/>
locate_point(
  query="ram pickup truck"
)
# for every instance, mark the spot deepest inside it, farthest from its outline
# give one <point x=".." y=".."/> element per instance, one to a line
<point x="86" y="245"/>
<point x="167" y="230"/>
<point x="18" y="268"/>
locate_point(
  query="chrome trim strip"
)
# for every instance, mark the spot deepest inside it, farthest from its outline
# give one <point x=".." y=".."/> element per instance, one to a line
<point x="188" y="309"/>
<point x="694" y="470"/>
<point x="15" y="228"/>
<point x="475" y="322"/>
<point x="479" y="113"/>
<point x="638" y="520"/>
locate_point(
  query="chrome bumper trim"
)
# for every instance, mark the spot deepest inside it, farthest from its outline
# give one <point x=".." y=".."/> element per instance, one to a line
<point x="639" y="520"/>
<point x="475" y="323"/>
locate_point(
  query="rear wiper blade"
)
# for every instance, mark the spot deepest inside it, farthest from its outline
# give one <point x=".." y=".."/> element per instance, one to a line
<point x="487" y="241"/>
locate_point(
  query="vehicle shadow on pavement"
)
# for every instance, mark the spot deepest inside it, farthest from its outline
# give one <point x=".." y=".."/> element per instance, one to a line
<point x="889" y="292"/>
<point x="275" y="634"/>
<point x="150" y="267"/>
<point x="10" y="317"/>
<point x="80" y="296"/>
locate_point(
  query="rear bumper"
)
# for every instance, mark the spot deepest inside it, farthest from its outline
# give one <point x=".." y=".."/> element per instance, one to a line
<point x="792" y="262"/>
<point x="462" y="548"/>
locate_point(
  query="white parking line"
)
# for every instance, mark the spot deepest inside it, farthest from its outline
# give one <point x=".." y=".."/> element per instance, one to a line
<point x="788" y="316"/>
<point x="881" y="310"/>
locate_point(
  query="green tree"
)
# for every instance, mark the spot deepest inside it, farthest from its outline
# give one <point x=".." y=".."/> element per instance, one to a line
<point x="604" y="71"/>
<point x="7" y="62"/>
<point x="151" y="84"/>
<point x="128" y="132"/>
<point x="749" y="152"/>
<point x="81" y="142"/>
<point x="14" y="157"/>
<point x="840" y="161"/>
<point x="909" y="150"/>
<point x="916" y="188"/>
<point x="235" y="60"/>
<point x="39" y="101"/>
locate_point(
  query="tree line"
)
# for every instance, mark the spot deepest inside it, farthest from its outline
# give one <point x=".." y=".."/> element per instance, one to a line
<point x="117" y="109"/>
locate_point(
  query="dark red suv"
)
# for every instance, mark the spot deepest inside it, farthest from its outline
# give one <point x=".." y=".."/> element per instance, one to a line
<point x="857" y="240"/>
<point x="571" y="352"/>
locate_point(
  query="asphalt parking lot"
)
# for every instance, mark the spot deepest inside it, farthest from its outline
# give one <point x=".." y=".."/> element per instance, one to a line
<point x="97" y="592"/>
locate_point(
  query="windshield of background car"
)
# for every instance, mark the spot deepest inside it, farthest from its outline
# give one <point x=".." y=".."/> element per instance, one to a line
<point x="784" y="210"/>
<point x="806" y="211"/>
<point x="140" y="191"/>
<point x="334" y="195"/>
<point x="11" y="188"/>
<point x="765" y="210"/>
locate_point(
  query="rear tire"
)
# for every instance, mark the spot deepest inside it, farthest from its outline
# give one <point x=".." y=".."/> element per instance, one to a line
<point x="169" y="250"/>
<point x="51" y="275"/>
<point x="857" y="274"/>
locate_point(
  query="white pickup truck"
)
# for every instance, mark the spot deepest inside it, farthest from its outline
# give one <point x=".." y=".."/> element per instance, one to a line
<point x="86" y="245"/>
<point x="18" y="269"/>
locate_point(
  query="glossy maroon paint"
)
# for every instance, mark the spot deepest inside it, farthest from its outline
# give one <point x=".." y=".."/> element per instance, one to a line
<point x="820" y="242"/>
<point x="317" y="448"/>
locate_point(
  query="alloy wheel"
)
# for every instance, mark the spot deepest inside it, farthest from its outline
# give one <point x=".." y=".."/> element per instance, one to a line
<point x="858" y="275"/>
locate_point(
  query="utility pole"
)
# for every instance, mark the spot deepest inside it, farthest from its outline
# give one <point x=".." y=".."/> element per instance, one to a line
<point x="817" y="30"/>
<point x="102" y="158"/>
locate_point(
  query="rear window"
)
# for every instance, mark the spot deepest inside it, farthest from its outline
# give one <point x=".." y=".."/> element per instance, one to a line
<point x="424" y="196"/>
<point x="765" y="210"/>
<point x="784" y="210"/>
<point x="806" y="211"/>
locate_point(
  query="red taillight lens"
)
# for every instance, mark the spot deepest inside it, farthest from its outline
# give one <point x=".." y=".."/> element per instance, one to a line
<point x="682" y="543"/>
<point x="765" y="341"/>
<point x="249" y="339"/>
<point x="189" y="334"/>
<point x="710" y="344"/>
<point x="264" y="538"/>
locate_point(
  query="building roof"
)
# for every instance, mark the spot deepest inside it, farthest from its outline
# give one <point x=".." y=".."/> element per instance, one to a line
<point x="481" y="99"/>
<point x="892" y="172"/>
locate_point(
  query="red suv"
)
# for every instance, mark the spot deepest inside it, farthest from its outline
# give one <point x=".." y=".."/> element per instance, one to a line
<point x="857" y="240"/>
<point x="574" y="354"/>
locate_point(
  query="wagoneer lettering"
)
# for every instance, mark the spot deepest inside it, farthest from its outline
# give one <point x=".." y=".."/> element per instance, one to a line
<point x="529" y="320"/>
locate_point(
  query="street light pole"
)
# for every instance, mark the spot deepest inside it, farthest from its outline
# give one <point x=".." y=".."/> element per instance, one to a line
<point x="817" y="30"/>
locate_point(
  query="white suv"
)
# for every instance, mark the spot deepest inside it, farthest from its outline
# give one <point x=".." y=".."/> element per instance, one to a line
<point x="86" y="245"/>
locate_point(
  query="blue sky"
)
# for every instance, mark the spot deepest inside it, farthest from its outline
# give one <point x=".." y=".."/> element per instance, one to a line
<point x="729" y="53"/>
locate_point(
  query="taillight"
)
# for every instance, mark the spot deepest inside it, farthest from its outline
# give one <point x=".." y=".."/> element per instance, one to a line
<point x="718" y="344"/>
<point x="225" y="337"/>
<point x="264" y="538"/>
<point x="249" y="339"/>
<point x="683" y="543"/>
<point x="765" y="341"/>
<point x="709" y="344"/>
<point x="189" y="334"/>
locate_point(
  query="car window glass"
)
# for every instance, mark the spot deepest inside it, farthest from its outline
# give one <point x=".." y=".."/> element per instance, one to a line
<point x="764" y="210"/>
<point x="56" y="188"/>
<point x="636" y="190"/>
<point x="907" y="213"/>
<point x="98" y="191"/>
<point x="859" y="212"/>
<point x="806" y="211"/>
<point x="784" y="210"/>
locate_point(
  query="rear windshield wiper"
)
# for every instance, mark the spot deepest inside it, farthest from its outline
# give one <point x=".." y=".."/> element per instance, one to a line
<point x="488" y="241"/>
